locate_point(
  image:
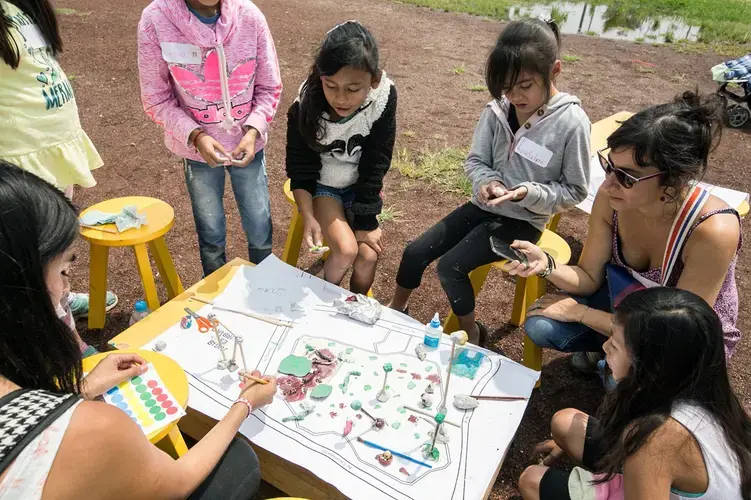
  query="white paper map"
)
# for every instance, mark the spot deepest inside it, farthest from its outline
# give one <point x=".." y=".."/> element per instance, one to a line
<point x="339" y="346"/>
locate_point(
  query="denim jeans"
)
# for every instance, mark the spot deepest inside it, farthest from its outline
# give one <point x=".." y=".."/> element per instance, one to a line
<point x="251" y="189"/>
<point x="237" y="476"/>
<point x="570" y="337"/>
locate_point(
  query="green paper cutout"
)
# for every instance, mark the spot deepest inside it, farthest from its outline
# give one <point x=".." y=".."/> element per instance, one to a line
<point x="298" y="366"/>
<point x="401" y="409"/>
<point x="367" y="387"/>
<point x="355" y="405"/>
<point x="321" y="391"/>
<point x="411" y="385"/>
<point x="396" y="425"/>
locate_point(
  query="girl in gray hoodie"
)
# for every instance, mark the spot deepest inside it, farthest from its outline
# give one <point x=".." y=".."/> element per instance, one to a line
<point x="529" y="159"/>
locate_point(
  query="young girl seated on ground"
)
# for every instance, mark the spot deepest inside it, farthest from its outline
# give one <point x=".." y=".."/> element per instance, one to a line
<point x="671" y="428"/>
<point x="529" y="159"/>
<point x="210" y="77"/>
<point x="340" y="138"/>
<point x="54" y="445"/>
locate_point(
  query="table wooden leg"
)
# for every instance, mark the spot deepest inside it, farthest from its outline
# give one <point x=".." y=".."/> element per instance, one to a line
<point x="291" y="252"/>
<point x="173" y="444"/>
<point x="532" y="352"/>
<point x="147" y="277"/>
<point x="97" y="285"/>
<point x="477" y="278"/>
<point x="166" y="267"/>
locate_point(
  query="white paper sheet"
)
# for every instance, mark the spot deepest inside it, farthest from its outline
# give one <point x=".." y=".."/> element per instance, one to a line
<point x="466" y="464"/>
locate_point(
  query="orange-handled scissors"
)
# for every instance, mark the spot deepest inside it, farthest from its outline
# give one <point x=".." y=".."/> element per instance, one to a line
<point x="204" y="325"/>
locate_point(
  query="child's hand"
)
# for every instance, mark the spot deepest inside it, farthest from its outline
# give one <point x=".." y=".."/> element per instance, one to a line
<point x="493" y="189"/>
<point x="211" y="151"/>
<point x="370" y="238"/>
<point x="258" y="394"/>
<point x="110" y="371"/>
<point x="551" y="451"/>
<point x="246" y="150"/>
<point x="311" y="232"/>
<point x="514" y="195"/>
<point x="536" y="258"/>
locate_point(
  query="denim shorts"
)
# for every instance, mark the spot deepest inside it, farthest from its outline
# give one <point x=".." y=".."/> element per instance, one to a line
<point x="345" y="196"/>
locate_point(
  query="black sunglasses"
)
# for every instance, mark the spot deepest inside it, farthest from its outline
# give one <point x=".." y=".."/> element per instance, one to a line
<point x="624" y="178"/>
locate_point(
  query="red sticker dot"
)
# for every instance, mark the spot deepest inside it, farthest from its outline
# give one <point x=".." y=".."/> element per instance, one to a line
<point x="166" y="404"/>
<point x="172" y="410"/>
<point x="157" y="391"/>
<point x="161" y="397"/>
<point x="151" y="383"/>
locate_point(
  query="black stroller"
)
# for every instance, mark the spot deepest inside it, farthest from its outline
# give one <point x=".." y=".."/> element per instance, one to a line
<point x="737" y="75"/>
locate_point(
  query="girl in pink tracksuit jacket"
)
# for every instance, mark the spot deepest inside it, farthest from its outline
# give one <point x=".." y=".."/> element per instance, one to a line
<point x="197" y="59"/>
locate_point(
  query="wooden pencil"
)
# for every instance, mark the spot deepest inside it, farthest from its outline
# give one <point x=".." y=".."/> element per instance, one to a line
<point x="260" y="317"/>
<point x="500" y="398"/>
<point x="254" y="379"/>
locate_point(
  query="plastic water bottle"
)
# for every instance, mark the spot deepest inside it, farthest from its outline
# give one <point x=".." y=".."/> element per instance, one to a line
<point x="433" y="332"/>
<point x="140" y="311"/>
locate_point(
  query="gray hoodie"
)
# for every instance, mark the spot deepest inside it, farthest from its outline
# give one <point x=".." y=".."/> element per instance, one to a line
<point x="549" y="155"/>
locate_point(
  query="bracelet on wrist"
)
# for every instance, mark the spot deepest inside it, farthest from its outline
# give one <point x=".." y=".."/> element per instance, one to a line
<point x="550" y="267"/>
<point x="246" y="403"/>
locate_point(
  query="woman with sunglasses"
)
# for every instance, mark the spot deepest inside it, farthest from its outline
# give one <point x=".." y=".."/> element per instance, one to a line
<point x="652" y="162"/>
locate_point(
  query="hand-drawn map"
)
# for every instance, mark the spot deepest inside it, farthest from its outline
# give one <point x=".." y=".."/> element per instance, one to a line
<point x="318" y="415"/>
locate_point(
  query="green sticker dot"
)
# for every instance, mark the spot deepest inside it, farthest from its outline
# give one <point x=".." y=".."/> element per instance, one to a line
<point x="136" y="380"/>
<point x="141" y="388"/>
<point x="154" y="410"/>
<point x="145" y="396"/>
<point x="367" y="387"/>
<point x="377" y="406"/>
<point x="150" y="403"/>
<point x="159" y="416"/>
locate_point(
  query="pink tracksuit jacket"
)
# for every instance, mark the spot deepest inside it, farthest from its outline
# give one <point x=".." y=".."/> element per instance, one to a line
<point x="191" y="73"/>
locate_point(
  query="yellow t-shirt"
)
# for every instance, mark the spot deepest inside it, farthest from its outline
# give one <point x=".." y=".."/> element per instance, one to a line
<point x="39" y="126"/>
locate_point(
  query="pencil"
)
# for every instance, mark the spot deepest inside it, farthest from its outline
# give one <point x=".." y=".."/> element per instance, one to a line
<point x="395" y="453"/>
<point x="254" y="379"/>
<point x="500" y="398"/>
<point x="427" y="414"/>
<point x="259" y="317"/>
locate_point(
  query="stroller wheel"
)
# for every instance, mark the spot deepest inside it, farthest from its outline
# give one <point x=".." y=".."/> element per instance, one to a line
<point x="738" y="115"/>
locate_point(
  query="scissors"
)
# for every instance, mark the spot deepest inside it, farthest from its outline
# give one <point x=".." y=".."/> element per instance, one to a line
<point x="204" y="325"/>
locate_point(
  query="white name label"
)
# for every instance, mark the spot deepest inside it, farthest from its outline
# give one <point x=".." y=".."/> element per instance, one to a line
<point x="533" y="152"/>
<point x="181" y="53"/>
<point x="32" y="36"/>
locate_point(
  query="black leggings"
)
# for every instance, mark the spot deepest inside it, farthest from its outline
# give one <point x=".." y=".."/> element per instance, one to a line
<point x="462" y="240"/>
<point x="236" y="476"/>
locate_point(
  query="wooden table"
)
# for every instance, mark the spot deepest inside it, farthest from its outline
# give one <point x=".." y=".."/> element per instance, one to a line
<point x="288" y="477"/>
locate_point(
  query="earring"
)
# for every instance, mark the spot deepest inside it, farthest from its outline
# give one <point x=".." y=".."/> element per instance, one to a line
<point x="663" y="199"/>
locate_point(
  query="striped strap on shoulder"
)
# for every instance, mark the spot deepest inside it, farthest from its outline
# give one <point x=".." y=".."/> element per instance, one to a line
<point x="683" y="222"/>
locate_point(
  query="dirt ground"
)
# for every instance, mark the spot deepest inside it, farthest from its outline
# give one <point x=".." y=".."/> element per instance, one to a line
<point x="436" y="110"/>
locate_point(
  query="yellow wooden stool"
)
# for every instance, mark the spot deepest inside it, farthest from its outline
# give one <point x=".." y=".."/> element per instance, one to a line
<point x="160" y="218"/>
<point x="176" y="381"/>
<point x="527" y="291"/>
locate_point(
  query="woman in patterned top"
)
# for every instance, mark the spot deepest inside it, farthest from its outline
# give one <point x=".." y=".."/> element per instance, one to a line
<point x="75" y="453"/>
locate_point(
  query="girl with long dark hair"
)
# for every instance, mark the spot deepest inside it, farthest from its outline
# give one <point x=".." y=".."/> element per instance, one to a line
<point x="671" y="428"/>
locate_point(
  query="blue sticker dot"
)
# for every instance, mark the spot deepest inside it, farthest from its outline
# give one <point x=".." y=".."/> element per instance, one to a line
<point x="113" y="390"/>
<point x="129" y="413"/>
<point x="117" y="398"/>
<point x="122" y="406"/>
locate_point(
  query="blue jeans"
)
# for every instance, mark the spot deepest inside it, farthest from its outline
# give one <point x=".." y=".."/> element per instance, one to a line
<point x="570" y="337"/>
<point x="251" y="188"/>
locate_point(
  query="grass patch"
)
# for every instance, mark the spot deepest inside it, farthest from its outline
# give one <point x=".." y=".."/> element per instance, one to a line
<point x="389" y="214"/>
<point x="459" y="70"/>
<point x="639" y="40"/>
<point x="71" y="76"/>
<point x="71" y="12"/>
<point x="571" y="59"/>
<point x="720" y="20"/>
<point x="478" y="88"/>
<point x="591" y="33"/>
<point x="443" y="168"/>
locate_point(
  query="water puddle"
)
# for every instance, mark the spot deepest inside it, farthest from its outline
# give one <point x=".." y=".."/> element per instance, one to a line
<point x="609" y="22"/>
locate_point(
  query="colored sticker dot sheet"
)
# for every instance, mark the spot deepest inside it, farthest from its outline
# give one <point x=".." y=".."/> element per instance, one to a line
<point x="147" y="401"/>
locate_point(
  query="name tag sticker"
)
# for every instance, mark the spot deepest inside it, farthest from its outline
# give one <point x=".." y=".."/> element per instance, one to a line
<point x="181" y="53"/>
<point x="33" y="38"/>
<point x="533" y="152"/>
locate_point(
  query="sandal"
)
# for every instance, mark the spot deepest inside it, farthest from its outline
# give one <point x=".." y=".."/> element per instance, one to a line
<point x="483" y="334"/>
